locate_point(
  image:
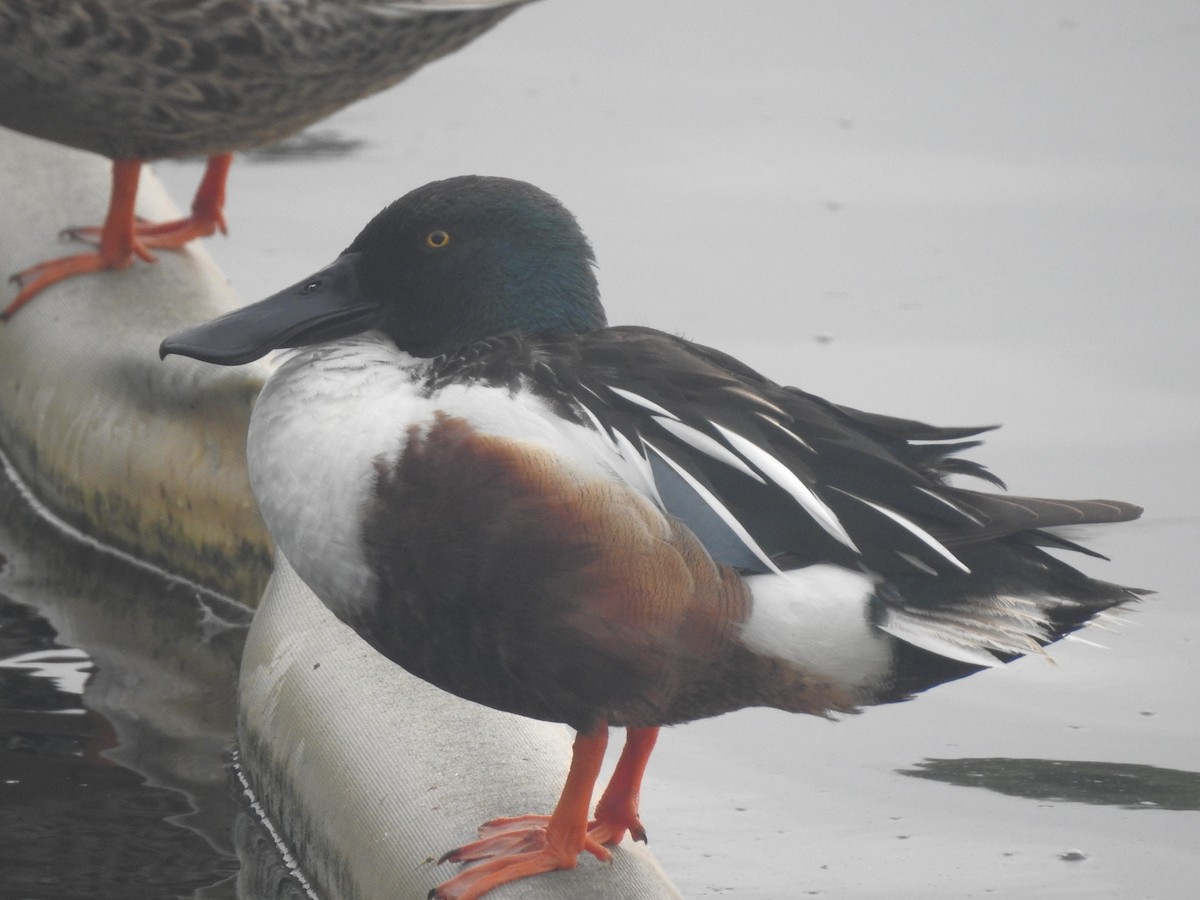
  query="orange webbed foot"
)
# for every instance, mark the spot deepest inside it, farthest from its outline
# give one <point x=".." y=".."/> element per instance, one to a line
<point x="514" y="848"/>
<point x="608" y="828"/>
<point x="513" y="866"/>
<point x="612" y="830"/>
<point x="171" y="235"/>
<point x="117" y="244"/>
<point x="510" y="849"/>
<point x="517" y="847"/>
<point x="519" y="835"/>
<point x="120" y="238"/>
<point x="36" y="279"/>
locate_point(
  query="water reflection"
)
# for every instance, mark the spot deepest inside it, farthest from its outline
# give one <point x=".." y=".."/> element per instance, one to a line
<point x="263" y="874"/>
<point x="1125" y="785"/>
<point x="117" y="719"/>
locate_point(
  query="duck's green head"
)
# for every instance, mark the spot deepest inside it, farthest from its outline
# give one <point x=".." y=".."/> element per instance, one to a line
<point x="446" y="265"/>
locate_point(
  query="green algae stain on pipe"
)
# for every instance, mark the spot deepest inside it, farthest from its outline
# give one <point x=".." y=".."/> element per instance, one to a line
<point x="144" y="456"/>
<point x="168" y="489"/>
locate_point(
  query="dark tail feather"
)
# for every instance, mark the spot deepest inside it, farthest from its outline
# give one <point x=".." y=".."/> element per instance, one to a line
<point x="1003" y="515"/>
<point x="1016" y="600"/>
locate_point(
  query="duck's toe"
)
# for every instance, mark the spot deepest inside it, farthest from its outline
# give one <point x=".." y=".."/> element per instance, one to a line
<point x="509" y="856"/>
<point x="37" y="278"/>
<point x="516" y="835"/>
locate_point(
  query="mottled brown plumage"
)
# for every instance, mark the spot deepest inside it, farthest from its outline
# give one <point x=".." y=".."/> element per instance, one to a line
<point x="170" y="78"/>
<point x="135" y="80"/>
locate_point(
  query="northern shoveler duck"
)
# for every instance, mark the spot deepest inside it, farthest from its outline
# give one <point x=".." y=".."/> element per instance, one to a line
<point x="134" y="81"/>
<point x="612" y="525"/>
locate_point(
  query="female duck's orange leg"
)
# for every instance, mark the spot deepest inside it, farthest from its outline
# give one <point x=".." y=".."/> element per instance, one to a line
<point x="117" y="243"/>
<point x="208" y="214"/>
<point x="517" y="854"/>
<point x="120" y="238"/>
<point x="208" y="211"/>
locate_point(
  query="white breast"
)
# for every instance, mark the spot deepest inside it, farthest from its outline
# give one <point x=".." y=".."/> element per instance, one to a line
<point x="320" y="421"/>
<point x="330" y="411"/>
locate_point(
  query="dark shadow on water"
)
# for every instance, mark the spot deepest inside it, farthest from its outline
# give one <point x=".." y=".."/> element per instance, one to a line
<point x="76" y="828"/>
<point x="1105" y="784"/>
<point x="75" y="822"/>
<point x="263" y="875"/>
<point x="117" y="722"/>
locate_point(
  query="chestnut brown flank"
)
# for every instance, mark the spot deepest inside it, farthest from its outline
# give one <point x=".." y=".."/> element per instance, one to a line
<point x="510" y="580"/>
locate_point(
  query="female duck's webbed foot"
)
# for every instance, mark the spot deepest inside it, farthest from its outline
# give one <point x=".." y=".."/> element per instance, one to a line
<point x="120" y="239"/>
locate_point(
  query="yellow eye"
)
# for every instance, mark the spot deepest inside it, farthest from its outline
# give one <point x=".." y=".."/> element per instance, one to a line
<point x="436" y="240"/>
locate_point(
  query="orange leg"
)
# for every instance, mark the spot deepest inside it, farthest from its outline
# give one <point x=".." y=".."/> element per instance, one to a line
<point x="208" y="214"/>
<point x="117" y="244"/>
<point x="120" y="239"/>
<point x="617" y="811"/>
<point x="519" y="853"/>
<point x="616" y="814"/>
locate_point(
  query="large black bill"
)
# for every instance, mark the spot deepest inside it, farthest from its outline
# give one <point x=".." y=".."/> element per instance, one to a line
<point x="323" y="307"/>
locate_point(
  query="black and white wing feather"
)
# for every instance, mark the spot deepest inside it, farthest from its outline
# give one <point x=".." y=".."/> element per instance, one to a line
<point x="772" y="478"/>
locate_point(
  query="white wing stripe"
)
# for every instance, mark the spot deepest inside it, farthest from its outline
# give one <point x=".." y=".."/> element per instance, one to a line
<point x="786" y="479"/>
<point x="641" y="401"/>
<point x="594" y="419"/>
<point x="641" y="464"/>
<point x="756" y="399"/>
<point x="698" y="440"/>
<point x="917" y="531"/>
<point x="791" y="434"/>
<point x="950" y="503"/>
